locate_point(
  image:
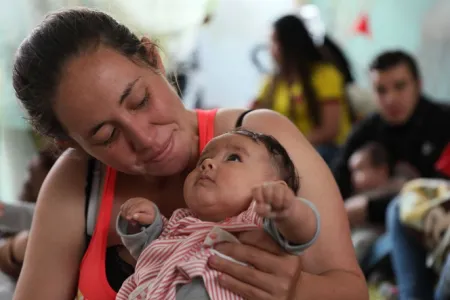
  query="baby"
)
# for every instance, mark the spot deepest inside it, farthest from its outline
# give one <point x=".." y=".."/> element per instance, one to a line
<point x="243" y="181"/>
<point x="369" y="167"/>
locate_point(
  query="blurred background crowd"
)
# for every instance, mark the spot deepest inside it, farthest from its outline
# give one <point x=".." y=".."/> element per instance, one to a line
<point x="364" y="80"/>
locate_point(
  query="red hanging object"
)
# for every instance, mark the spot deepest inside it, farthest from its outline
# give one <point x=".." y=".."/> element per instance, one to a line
<point x="362" y="26"/>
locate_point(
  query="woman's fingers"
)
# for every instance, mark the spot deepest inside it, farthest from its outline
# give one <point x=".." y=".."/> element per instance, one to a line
<point x="261" y="260"/>
<point x="244" y="274"/>
<point x="271" y="271"/>
<point x="261" y="240"/>
<point x="243" y="289"/>
<point x="252" y="283"/>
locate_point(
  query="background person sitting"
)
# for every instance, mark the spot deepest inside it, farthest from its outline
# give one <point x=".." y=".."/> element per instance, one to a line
<point x="307" y="88"/>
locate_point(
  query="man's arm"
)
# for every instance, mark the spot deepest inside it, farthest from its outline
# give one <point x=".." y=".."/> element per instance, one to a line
<point x="403" y="172"/>
<point x="371" y="206"/>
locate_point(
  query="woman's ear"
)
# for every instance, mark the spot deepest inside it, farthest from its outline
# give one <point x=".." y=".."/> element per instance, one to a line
<point x="152" y="52"/>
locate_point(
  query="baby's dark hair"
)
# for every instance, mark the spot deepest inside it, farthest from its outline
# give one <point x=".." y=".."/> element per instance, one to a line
<point x="278" y="154"/>
<point x="377" y="153"/>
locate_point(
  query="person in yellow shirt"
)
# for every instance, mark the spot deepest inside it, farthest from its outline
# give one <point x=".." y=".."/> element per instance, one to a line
<point x="306" y="88"/>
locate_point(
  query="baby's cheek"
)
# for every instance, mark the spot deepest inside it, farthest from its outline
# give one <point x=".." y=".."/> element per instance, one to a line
<point x="188" y="185"/>
<point x="237" y="200"/>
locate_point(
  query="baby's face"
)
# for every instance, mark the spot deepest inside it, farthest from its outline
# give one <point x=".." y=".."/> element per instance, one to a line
<point x="229" y="167"/>
<point x="365" y="176"/>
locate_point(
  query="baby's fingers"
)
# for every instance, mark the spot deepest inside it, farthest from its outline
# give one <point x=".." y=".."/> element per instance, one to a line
<point x="257" y="193"/>
<point x="263" y="209"/>
<point x="144" y="218"/>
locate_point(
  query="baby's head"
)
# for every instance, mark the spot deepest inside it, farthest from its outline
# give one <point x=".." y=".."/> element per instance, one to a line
<point x="369" y="167"/>
<point x="229" y="167"/>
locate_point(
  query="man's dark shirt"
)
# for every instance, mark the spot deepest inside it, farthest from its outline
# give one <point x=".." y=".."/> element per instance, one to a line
<point x="419" y="142"/>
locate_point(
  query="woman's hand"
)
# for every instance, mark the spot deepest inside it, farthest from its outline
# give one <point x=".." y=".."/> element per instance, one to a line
<point x="272" y="274"/>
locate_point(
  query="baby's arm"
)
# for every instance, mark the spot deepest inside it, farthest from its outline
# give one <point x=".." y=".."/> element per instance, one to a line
<point x="138" y="224"/>
<point x="294" y="222"/>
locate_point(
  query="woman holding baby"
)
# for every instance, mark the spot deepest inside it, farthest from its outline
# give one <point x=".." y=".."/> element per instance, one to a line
<point x="88" y="82"/>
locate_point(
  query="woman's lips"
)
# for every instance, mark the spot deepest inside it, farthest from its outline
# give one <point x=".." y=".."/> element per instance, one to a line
<point x="161" y="154"/>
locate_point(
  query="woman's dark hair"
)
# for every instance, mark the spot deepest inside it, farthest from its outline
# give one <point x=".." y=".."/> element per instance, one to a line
<point x="61" y="36"/>
<point x="48" y="157"/>
<point x="280" y="158"/>
<point x="336" y="54"/>
<point x="299" y="55"/>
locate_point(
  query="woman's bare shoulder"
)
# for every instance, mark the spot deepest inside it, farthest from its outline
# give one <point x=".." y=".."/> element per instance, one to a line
<point x="226" y="119"/>
<point x="56" y="243"/>
<point x="66" y="178"/>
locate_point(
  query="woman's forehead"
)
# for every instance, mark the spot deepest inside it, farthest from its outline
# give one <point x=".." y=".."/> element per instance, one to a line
<point x="97" y="71"/>
<point x="92" y="85"/>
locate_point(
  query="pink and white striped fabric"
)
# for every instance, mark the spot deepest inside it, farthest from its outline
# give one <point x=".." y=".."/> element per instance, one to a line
<point x="181" y="253"/>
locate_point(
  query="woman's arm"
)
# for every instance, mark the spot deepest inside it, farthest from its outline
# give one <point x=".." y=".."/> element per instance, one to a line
<point x="330" y="268"/>
<point x="56" y="242"/>
<point x="329" y="129"/>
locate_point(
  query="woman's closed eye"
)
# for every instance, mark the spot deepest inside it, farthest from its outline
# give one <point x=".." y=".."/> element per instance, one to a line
<point x="144" y="101"/>
<point x="111" y="138"/>
<point x="234" y="157"/>
<point x="114" y="132"/>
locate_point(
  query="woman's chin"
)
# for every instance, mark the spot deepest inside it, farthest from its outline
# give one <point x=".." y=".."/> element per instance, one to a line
<point x="158" y="169"/>
<point x="169" y="168"/>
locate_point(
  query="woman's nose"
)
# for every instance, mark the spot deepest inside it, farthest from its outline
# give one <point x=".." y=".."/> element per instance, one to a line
<point x="141" y="137"/>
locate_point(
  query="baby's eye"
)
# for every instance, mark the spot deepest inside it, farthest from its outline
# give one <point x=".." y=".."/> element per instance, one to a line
<point x="234" y="157"/>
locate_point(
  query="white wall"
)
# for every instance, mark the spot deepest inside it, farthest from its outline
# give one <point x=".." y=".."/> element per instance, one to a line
<point x="228" y="75"/>
<point x="16" y="149"/>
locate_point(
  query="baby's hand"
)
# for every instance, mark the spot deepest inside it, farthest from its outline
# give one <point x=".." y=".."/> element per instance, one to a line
<point x="273" y="199"/>
<point x="138" y="210"/>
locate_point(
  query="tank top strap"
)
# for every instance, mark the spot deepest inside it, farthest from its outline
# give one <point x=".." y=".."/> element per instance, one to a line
<point x="93" y="283"/>
<point x="206" y="119"/>
<point x="108" y="199"/>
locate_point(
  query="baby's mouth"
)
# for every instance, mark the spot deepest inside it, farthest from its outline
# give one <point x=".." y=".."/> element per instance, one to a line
<point x="205" y="178"/>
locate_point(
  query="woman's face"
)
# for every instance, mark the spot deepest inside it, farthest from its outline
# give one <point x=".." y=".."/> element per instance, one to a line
<point x="124" y="114"/>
